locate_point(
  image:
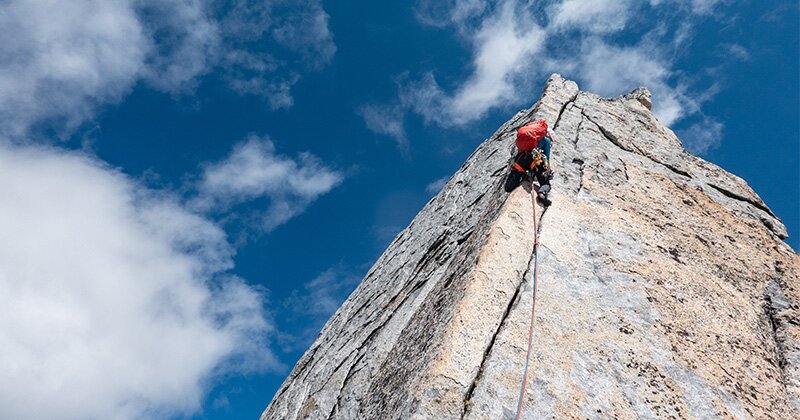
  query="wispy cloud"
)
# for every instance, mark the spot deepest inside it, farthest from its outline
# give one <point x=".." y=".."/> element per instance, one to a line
<point x="436" y="186"/>
<point x="318" y="299"/>
<point x="302" y="26"/>
<point x="181" y="41"/>
<point x="255" y="170"/>
<point x="60" y="63"/>
<point x="385" y="233"/>
<point x="114" y="300"/>
<point x="704" y="7"/>
<point x="599" y="16"/>
<point x="504" y="45"/>
<point x="737" y="51"/>
<point x="386" y="120"/>
<point x="699" y="7"/>
<point x="450" y="12"/>
<point x="299" y="37"/>
<point x="702" y="136"/>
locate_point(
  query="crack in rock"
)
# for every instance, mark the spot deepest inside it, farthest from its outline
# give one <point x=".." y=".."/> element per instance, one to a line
<point x="500" y="327"/>
<point x="750" y="201"/>
<point x="614" y="140"/>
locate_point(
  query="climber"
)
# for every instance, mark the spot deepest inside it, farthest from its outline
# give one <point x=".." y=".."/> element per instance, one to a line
<point x="532" y="159"/>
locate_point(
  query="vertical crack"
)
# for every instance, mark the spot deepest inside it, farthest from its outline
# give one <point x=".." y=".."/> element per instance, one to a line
<point x="580" y="162"/>
<point x="563" y="108"/>
<point x="578" y="130"/>
<point x="625" y="169"/>
<point x="580" y="182"/>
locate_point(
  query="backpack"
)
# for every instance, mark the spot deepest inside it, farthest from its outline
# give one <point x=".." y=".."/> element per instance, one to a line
<point x="528" y="137"/>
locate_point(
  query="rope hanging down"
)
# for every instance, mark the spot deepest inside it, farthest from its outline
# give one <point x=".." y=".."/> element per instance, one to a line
<point x="533" y="307"/>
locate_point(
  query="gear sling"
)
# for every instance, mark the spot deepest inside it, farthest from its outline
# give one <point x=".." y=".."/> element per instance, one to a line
<point x="530" y="162"/>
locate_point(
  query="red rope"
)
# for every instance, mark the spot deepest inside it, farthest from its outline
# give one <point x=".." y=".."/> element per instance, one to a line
<point x="533" y="307"/>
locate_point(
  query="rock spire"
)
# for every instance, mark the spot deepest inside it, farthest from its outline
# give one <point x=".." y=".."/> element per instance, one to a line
<point x="665" y="290"/>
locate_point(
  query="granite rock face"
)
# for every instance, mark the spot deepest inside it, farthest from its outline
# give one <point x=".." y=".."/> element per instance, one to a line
<point x="665" y="290"/>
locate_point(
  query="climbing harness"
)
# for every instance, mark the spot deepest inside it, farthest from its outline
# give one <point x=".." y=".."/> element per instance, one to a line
<point x="537" y="158"/>
<point x="533" y="307"/>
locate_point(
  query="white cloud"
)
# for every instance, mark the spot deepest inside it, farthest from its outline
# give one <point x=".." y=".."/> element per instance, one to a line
<point x="611" y="71"/>
<point x="504" y="47"/>
<point x="254" y="170"/>
<point x="114" y="302"/>
<point x="182" y="41"/>
<point x="436" y="186"/>
<point x="60" y="61"/>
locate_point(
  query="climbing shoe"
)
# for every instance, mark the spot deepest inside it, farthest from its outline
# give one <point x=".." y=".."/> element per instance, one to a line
<point x="542" y="198"/>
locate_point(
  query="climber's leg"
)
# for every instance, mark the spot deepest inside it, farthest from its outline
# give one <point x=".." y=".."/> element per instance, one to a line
<point x="513" y="180"/>
<point x="543" y="178"/>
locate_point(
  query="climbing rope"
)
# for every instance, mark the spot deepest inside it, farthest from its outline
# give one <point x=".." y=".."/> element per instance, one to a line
<point x="533" y="307"/>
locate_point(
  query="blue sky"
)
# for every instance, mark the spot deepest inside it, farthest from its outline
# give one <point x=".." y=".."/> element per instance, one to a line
<point x="191" y="188"/>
